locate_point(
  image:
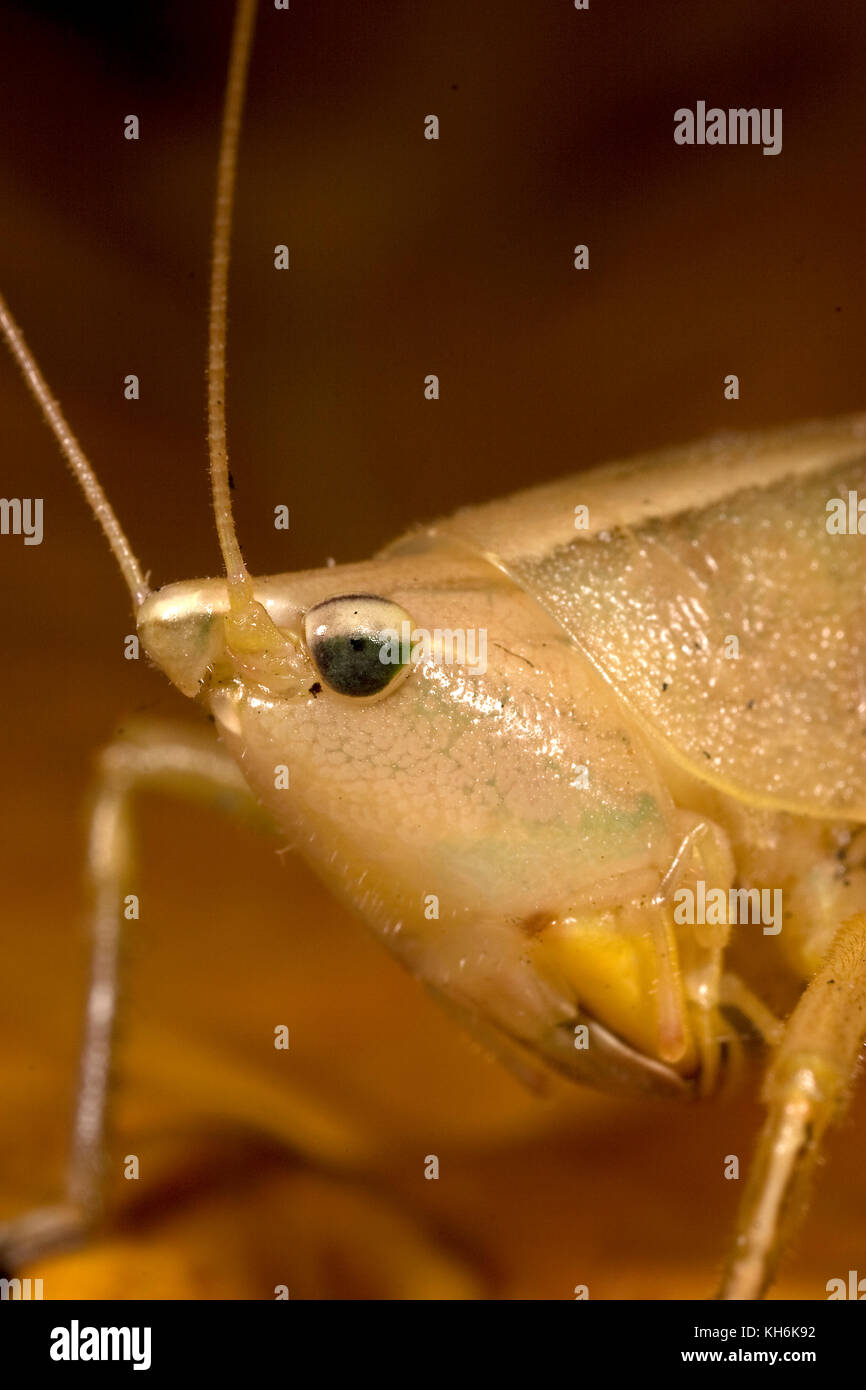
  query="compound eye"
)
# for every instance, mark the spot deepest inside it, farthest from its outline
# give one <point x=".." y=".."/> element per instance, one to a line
<point x="359" y="643"/>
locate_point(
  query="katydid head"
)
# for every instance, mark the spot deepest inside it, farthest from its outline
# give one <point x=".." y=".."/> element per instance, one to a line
<point x="428" y="739"/>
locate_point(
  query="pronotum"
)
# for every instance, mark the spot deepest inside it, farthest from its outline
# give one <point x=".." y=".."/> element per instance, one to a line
<point x="519" y="566"/>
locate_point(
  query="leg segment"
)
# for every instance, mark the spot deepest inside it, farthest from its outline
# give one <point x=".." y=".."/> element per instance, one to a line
<point x="181" y="761"/>
<point x="805" y="1089"/>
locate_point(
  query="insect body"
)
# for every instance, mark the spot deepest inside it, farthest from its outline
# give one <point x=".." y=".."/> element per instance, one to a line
<point x="611" y="754"/>
<point x="670" y="710"/>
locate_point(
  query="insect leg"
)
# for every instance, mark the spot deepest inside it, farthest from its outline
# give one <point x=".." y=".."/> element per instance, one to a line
<point x="805" y="1089"/>
<point x="175" y="760"/>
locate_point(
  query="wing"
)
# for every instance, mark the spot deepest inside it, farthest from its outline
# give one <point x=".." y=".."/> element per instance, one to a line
<point x="708" y="591"/>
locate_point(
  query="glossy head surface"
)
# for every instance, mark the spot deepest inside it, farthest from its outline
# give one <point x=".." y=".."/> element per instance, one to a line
<point x="467" y="799"/>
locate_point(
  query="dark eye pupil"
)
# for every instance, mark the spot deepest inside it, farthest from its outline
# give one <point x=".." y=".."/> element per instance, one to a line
<point x="358" y="642"/>
<point x="351" y="665"/>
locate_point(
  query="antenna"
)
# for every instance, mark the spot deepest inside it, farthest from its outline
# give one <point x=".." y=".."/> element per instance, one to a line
<point x="239" y="581"/>
<point x="239" y="61"/>
<point x="75" y="457"/>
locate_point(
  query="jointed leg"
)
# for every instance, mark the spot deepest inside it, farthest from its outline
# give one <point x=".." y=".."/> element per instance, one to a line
<point x="805" y="1089"/>
<point x="175" y="760"/>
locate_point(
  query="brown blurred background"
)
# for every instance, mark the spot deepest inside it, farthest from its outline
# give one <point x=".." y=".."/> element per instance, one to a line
<point x="408" y="257"/>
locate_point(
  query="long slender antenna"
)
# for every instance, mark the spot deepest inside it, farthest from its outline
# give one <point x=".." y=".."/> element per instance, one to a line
<point x="239" y="62"/>
<point x="219" y="468"/>
<point x="75" y="457"/>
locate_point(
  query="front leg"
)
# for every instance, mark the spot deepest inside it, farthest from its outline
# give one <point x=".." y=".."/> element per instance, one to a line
<point x="183" y="762"/>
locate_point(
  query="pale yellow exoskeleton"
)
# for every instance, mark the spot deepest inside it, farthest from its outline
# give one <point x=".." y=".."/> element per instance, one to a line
<point x="670" y="710"/>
